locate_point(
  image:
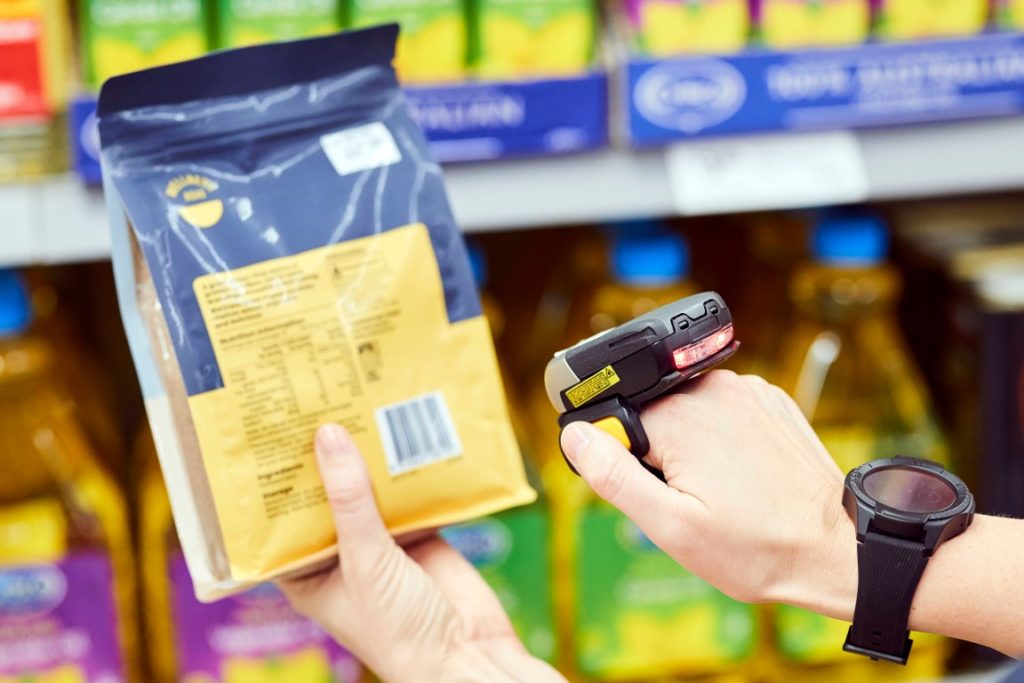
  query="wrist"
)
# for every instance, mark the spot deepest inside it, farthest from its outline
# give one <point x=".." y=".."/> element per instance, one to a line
<point x="822" y="573"/>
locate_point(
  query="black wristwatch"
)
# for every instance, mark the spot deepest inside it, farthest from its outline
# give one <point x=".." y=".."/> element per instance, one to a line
<point x="904" y="509"/>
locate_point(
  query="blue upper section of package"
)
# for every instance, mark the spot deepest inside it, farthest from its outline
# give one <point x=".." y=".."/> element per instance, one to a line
<point x="244" y="156"/>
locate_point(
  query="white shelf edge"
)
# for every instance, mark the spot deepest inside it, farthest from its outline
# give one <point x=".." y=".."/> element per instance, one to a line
<point x="58" y="220"/>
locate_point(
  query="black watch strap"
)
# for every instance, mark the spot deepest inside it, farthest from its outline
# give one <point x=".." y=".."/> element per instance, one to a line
<point x="889" y="571"/>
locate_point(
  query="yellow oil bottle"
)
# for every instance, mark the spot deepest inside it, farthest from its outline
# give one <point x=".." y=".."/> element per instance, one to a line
<point x="512" y="549"/>
<point x="66" y="571"/>
<point x="849" y="370"/>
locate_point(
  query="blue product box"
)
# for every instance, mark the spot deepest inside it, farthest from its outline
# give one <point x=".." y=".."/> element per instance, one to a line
<point x="85" y="139"/>
<point x="463" y="122"/>
<point x="877" y="84"/>
<point x="493" y="120"/>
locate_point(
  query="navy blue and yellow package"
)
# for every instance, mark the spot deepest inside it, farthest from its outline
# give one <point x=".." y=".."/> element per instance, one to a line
<point x="286" y="256"/>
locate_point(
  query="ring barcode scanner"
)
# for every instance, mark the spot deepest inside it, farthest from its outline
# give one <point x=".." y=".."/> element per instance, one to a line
<point x="606" y="379"/>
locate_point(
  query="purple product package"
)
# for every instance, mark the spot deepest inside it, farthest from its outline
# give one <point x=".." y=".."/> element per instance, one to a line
<point x="633" y="12"/>
<point x="223" y="640"/>
<point x="58" y="622"/>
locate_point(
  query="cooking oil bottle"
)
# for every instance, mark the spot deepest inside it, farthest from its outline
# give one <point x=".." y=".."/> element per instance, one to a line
<point x="629" y="611"/>
<point x="763" y="312"/>
<point x="512" y="549"/>
<point x="35" y="65"/>
<point x="255" y="637"/>
<point x="849" y="370"/>
<point x="88" y="383"/>
<point x="650" y="267"/>
<point x="66" y="573"/>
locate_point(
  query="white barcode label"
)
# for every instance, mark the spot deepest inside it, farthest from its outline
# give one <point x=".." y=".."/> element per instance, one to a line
<point x="361" y="148"/>
<point x="417" y="432"/>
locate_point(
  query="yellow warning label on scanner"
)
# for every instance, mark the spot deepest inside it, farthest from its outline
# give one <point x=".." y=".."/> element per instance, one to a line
<point x="592" y="386"/>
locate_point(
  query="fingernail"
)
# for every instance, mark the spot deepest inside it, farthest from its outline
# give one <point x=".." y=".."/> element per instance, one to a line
<point x="331" y="440"/>
<point x="575" y="438"/>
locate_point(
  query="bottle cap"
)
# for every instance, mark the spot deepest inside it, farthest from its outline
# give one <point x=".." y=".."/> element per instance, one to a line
<point x="850" y="239"/>
<point x="15" y="309"/>
<point x="650" y="259"/>
<point x="478" y="263"/>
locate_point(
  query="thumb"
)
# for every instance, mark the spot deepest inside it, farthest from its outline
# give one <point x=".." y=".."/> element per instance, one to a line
<point x="361" y="531"/>
<point x="617" y="476"/>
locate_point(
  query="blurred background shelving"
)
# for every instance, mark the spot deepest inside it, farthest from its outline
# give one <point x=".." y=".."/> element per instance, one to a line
<point x="60" y="220"/>
<point x="601" y="156"/>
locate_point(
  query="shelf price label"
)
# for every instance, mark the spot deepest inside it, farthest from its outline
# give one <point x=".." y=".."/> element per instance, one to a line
<point x="17" y="246"/>
<point x="758" y="172"/>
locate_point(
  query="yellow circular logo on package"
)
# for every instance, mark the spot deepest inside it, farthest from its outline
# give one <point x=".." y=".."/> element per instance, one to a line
<point x="198" y="210"/>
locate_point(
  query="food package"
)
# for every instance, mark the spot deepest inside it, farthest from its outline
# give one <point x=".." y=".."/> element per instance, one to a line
<point x="285" y="256"/>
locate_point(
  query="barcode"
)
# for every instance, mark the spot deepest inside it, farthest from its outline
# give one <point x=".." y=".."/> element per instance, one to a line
<point x="417" y="432"/>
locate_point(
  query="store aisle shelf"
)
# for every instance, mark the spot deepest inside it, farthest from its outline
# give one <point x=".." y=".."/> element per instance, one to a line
<point x="59" y="220"/>
<point x="52" y="221"/>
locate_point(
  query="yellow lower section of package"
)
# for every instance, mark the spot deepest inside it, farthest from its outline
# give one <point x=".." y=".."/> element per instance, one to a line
<point x="355" y="333"/>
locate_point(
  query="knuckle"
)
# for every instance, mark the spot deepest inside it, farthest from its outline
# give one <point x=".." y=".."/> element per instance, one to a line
<point x="780" y="394"/>
<point x="756" y="381"/>
<point x="345" y="495"/>
<point x="722" y="377"/>
<point x="726" y="384"/>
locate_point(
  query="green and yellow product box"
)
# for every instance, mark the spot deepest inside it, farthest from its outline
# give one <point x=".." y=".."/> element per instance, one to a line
<point x="915" y="19"/>
<point x="432" y="46"/>
<point x="511" y="552"/>
<point x="522" y="38"/>
<point x="639" y="614"/>
<point x="788" y="24"/>
<point x="663" y="28"/>
<point x="250" y="22"/>
<point x="1010" y="14"/>
<point x="119" y="36"/>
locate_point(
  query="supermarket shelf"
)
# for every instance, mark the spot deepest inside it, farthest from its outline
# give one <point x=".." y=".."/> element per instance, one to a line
<point x="60" y="221"/>
<point x="52" y="221"/>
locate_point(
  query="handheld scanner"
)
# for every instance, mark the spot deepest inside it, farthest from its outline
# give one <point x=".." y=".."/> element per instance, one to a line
<point x="607" y="379"/>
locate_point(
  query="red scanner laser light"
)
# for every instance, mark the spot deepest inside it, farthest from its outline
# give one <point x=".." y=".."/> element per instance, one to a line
<point x="692" y="354"/>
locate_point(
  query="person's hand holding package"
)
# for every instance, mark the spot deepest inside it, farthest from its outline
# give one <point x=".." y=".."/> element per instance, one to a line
<point x="419" y="613"/>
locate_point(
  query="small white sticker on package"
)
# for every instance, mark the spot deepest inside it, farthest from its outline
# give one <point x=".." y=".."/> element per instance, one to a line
<point x="358" y="149"/>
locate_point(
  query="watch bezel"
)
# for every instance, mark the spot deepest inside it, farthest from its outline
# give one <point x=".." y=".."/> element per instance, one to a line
<point x="931" y="528"/>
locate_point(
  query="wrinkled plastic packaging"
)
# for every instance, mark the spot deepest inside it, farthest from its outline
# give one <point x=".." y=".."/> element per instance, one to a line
<point x="285" y="256"/>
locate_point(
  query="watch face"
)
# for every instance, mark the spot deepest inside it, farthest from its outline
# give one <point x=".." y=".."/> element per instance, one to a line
<point x="909" y="489"/>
